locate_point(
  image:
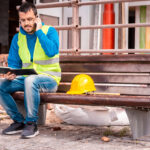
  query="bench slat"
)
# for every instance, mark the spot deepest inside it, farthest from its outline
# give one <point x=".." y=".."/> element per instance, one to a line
<point x="105" y="58"/>
<point x="110" y="77"/>
<point x="127" y="89"/>
<point x="93" y="100"/>
<point x="106" y="67"/>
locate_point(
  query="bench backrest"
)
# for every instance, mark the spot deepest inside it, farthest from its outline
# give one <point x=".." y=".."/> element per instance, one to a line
<point x="124" y="74"/>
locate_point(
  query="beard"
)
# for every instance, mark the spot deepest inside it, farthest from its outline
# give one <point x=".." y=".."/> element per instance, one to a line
<point x="29" y="29"/>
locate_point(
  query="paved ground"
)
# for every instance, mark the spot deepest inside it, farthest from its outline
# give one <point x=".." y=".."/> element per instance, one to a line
<point x="58" y="136"/>
<point x="66" y="137"/>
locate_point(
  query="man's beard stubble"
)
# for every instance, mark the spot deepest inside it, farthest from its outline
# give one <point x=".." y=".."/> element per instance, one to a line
<point x="33" y="30"/>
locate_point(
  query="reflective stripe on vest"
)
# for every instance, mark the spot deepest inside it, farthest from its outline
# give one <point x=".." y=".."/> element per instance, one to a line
<point x="46" y="62"/>
<point x="25" y="65"/>
<point x="43" y="62"/>
<point x="58" y="74"/>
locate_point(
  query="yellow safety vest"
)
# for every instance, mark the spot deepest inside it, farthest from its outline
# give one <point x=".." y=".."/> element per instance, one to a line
<point x="42" y="64"/>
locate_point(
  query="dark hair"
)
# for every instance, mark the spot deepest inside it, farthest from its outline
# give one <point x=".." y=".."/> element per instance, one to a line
<point x="27" y="6"/>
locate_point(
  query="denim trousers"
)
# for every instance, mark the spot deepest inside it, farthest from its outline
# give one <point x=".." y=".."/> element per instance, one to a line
<point x="32" y="86"/>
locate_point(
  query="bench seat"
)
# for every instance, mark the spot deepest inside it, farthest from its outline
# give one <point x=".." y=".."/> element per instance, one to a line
<point x="127" y="76"/>
<point x="92" y="99"/>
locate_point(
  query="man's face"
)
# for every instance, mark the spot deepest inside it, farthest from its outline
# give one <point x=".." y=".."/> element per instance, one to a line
<point x="27" y="21"/>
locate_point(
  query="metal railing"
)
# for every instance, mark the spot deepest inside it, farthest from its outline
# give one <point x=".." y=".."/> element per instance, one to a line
<point x="75" y="27"/>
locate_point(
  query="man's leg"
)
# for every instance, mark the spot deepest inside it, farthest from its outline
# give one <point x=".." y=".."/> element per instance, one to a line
<point x="35" y="84"/>
<point x="8" y="103"/>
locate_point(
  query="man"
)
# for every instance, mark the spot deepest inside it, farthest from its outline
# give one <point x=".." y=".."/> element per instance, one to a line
<point x="35" y="46"/>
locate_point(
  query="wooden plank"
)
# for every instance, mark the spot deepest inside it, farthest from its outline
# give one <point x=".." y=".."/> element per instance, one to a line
<point x="100" y="51"/>
<point x="96" y="58"/>
<point x="108" y="88"/>
<point x="127" y="90"/>
<point x="92" y="100"/>
<point x="104" y="58"/>
<point x="110" y="77"/>
<point x="106" y="67"/>
<point x="98" y="100"/>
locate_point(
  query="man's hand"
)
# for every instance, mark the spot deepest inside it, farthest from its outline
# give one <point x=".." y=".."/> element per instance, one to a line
<point x="8" y="76"/>
<point x="38" y="24"/>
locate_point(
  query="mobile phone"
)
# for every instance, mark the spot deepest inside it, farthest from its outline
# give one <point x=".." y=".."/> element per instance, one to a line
<point x="35" y="25"/>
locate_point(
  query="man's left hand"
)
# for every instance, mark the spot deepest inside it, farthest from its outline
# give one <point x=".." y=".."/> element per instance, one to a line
<point x="38" y="24"/>
<point x="8" y="76"/>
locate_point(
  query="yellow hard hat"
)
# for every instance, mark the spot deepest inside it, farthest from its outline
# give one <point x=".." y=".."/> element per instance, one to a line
<point x="81" y="83"/>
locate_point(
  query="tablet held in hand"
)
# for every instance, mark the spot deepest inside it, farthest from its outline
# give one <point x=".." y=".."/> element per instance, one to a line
<point x="4" y="70"/>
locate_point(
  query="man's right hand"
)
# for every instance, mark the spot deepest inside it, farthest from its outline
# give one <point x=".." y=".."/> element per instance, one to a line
<point x="8" y="76"/>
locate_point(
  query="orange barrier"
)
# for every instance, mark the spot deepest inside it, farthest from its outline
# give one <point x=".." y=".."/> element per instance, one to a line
<point x="147" y="44"/>
<point x="108" y="33"/>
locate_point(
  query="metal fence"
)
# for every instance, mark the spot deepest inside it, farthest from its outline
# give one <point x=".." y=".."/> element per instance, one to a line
<point x="75" y="27"/>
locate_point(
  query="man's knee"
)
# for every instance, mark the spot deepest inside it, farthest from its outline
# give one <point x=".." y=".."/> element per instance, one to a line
<point x="30" y="81"/>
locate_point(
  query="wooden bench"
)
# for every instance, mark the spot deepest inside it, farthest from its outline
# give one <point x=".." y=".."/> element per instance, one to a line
<point x="128" y="75"/>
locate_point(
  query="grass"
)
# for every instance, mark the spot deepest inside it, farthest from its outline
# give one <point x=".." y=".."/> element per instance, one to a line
<point x="122" y="132"/>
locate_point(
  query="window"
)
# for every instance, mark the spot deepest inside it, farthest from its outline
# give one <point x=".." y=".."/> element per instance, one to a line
<point x="49" y="20"/>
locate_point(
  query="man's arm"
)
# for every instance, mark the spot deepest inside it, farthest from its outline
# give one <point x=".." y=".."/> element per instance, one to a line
<point x="49" y="42"/>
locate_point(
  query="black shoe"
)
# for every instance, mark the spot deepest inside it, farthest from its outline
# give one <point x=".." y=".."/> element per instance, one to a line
<point x="14" y="128"/>
<point x="30" y="130"/>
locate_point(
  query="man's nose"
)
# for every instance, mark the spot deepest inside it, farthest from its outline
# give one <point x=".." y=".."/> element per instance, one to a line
<point x="26" y="22"/>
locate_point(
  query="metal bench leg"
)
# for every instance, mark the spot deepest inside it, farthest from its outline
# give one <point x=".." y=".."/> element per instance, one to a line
<point x="42" y="112"/>
<point x="139" y="122"/>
